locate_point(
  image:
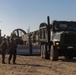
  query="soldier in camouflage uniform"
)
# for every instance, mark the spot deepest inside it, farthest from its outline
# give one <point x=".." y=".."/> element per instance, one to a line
<point x="4" y="48"/>
<point x="12" y="51"/>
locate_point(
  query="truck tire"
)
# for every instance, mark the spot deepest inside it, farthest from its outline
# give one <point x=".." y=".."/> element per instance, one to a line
<point x="53" y="53"/>
<point x="48" y="51"/>
<point x="41" y="49"/>
<point x="45" y="52"/>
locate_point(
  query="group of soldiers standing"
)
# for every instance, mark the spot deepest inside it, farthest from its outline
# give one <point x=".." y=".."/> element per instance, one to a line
<point x="11" y="45"/>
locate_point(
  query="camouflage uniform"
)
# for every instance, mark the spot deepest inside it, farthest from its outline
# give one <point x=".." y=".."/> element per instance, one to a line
<point x="12" y="51"/>
<point x="4" y="48"/>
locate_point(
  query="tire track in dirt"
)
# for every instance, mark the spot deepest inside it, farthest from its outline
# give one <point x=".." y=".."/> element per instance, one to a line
<point x="35" y="65"/>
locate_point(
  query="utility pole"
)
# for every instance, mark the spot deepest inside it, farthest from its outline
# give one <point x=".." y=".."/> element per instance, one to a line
<point x="30" y="42"/>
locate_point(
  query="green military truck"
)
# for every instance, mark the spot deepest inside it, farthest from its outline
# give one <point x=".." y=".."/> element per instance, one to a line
<point x="57" y="39"/>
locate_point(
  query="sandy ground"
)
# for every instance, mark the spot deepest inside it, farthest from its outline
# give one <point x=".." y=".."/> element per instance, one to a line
<point x="35" y="65"/>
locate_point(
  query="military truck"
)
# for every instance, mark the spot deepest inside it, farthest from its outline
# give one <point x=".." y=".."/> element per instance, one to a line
<point x="57" y="39"/>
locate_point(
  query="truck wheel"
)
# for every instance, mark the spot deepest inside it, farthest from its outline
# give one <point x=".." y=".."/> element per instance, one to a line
<point x="45" y="52"/>
<point x="53" y="53"/>
<point x="41" y="49"/>
<point x="48" y="52"/>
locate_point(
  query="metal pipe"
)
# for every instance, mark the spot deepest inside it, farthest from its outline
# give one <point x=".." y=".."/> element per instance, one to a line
<point x="48" y="28"/>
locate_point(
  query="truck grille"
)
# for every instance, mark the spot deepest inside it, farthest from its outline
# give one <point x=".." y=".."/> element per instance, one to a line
<point x="70" y="39"/>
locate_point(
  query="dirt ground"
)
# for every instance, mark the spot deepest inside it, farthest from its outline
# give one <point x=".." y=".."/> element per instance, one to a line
<point x="35" y="65"/>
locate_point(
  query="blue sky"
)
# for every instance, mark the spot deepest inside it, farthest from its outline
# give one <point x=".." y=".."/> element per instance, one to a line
<point x="24" y="13"/>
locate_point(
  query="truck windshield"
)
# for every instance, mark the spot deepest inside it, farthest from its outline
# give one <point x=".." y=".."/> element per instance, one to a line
<point x="65" y="27"/>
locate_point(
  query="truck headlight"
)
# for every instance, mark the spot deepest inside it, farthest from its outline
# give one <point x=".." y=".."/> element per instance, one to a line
<point x="57" y="43"/>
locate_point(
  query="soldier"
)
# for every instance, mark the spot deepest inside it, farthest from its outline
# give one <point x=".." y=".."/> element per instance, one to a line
<point x="12" y="51"/>
<point x="4" y="48"/>
<point x="8" y="42"/>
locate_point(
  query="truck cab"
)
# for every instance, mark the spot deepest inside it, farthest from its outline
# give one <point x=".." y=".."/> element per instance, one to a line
<point x="63" y="36"/>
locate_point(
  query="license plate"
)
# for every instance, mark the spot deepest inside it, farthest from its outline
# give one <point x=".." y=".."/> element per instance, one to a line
<point x="70" y="47"/>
